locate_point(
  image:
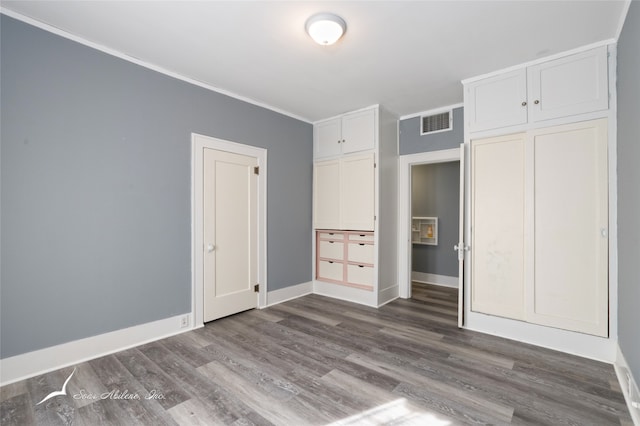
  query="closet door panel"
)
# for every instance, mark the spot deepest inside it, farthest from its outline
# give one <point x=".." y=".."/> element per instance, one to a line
<point x="326" y="195"/>
<point x="498" y="211"/>
<point x="570" y="220"/>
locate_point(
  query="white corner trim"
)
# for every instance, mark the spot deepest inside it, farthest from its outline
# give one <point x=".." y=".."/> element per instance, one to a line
<point x="42" y="361"/>
<point x="432" y="111"/>
<point x="628" y="384"/>
<point x="148" y="65"/>
<point x="441" y="280"/>
<point x="288" y="293"/>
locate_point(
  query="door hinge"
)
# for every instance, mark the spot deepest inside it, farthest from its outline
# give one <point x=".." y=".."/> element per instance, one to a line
<point x="256" y="170"/>
<point x="256" y="288"/>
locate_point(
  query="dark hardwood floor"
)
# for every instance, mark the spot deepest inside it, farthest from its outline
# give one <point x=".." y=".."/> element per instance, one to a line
<point x="316" y="360"/>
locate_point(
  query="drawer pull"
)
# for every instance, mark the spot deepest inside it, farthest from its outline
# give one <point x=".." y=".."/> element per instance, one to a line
<point x="360" y="244"/>
<point x="330" y="242"/>
<point x="360" y="266"/>
<point x="330" y="261"/>
<point x="362" y="235"/>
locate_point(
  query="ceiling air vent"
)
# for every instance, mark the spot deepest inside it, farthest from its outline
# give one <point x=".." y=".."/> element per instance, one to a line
<point x="434" y="123"/>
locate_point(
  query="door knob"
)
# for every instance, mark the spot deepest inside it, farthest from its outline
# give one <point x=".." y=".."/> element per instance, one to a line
<point x="210" y="247"/>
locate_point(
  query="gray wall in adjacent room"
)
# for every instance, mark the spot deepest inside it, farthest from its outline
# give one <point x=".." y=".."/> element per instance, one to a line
<point x="629" y="189"/>
<point x="96" y="191"/>
<point x="411" y="142"/>
<point x="435" y="191"/>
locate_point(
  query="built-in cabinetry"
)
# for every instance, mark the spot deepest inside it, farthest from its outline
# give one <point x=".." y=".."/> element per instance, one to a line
<point x="563" y="87"/>
<point x="539" y="226"/>
<point x="354" y="206"/>
<point x="348" y="133"/>
<point x="345" y="257"/>
<point x="343" y="196"/>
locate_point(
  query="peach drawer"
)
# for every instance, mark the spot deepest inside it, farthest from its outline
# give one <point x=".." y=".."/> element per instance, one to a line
<point x="331" y="236"/>
<point x="361" y="253"/>
<point x="331" y="250"/>
<point x="330" y="270"/>
<point x="357" y="274"/>
<point x="361" y="237"/>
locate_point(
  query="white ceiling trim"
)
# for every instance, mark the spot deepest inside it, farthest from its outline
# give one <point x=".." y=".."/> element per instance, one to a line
<point x="541" y="60"/>
<point x="118" y="54"/>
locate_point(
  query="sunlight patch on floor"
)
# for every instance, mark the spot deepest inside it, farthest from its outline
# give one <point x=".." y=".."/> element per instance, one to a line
<point x="398" y="412"/>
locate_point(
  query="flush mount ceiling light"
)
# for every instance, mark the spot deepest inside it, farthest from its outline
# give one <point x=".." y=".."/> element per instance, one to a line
<point x="325" y="28"/>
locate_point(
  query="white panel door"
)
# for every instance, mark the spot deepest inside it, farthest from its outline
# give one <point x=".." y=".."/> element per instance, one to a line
<point x="567" y="86"/>
<point x="357" y="196"/>
<point x="358" y="131"/>
<point x="498" y="217"/>
<point x="327" y="138"/>
<point x="571" y="227"/>
<point x="230" y="233"/>
<point x="326" y="194"/>
<point x="499" y="101"/>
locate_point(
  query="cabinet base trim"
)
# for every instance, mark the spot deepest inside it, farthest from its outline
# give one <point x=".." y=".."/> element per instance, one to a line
<point x="584" y="345"/>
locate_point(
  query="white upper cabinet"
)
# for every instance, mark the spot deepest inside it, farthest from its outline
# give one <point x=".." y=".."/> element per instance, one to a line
<point x="498" y="101"/>
<point x="349" y="133"/>
<point x="569" y="86"/>
<point x="564" y="87"/>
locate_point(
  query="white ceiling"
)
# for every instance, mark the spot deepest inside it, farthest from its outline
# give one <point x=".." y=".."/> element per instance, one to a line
<point x="406" y="55"/>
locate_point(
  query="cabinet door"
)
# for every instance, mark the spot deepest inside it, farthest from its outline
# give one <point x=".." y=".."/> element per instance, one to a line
<point x="497" y="210"/>
<point x="358" y="131"/>
<point x="567" y="86"/>
<point x="570" y="288"/>
<point x="326" y="194"/>
<point x="497" y="101"/>
<point x="357" y="192"/>
<point x="327" y="138"/>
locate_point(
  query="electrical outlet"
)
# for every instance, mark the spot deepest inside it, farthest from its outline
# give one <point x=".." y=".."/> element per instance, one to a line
<point x="184" y="321"/>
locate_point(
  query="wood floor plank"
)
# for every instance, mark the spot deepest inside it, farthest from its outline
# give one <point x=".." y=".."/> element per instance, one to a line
<point x="317" y="360"/>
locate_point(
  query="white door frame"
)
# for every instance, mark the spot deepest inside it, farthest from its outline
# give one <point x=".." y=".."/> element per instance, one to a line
<point x="404" y="209"/>
<point x="198" y="143"/>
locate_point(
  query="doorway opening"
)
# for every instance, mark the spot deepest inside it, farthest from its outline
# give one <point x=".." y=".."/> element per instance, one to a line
<point x="431" y="223"/>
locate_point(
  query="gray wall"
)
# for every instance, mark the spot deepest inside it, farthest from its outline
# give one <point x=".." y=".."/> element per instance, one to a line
<point x="411" y="142"/>
<point x="435" y="191"/>
<point x="629" y="188"/>
<point x="95" y="189"/>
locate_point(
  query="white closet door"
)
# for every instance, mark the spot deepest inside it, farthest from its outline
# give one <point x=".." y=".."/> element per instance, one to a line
<point x="571" y="226"/>
<point x="357" y="192"/>
<point x="326" y="195"/>
<point x="498" y="216"/>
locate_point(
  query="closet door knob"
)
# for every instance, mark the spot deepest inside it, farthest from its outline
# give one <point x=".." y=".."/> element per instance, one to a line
<point x="536" y="102"/>
<point x="524" y="103"/>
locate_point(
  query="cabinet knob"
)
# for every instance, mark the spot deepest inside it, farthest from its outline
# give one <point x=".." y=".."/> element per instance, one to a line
<point x="524" y="103"/>
<point x="536" y="102"/>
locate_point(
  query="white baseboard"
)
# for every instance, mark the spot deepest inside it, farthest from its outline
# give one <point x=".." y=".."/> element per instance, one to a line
<point x="629" y="386"/>
<point x="443" y="280"/>
<point x="42" y="361"/>
<point x="584" y="345"/>
<point x="387" y="295"/>
<point x="293" y="292"/>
